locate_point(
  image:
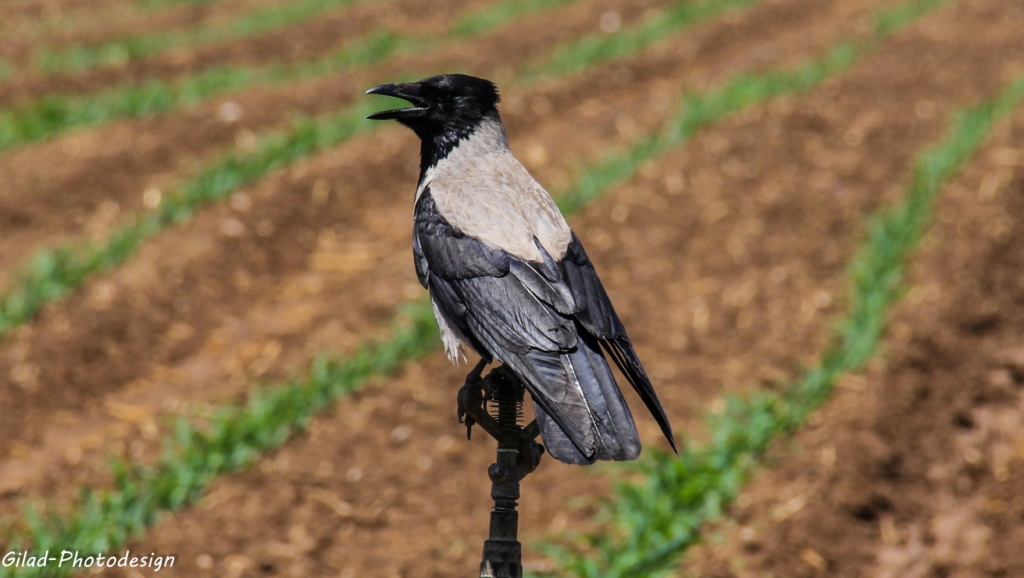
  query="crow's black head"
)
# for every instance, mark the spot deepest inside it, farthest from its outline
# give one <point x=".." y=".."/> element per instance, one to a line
<point x="442" y="105"/>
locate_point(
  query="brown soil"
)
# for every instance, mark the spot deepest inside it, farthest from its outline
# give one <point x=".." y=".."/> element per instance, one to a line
<point x="916" y="468"/>
<point x="325" y="34"/>
<point x="30" y="27"/>
<point x="725" y="259"/>
<point x="52" y="14"/>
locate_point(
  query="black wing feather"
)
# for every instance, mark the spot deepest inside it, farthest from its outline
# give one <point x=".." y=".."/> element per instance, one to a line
<point x="600" y="319"/>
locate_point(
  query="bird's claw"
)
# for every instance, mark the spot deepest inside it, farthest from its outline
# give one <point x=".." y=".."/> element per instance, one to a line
<point x="470" y="422"/>
<point x="465" y="419"/>
<point x="472" y="410"/>
<point x="472" y="396"/>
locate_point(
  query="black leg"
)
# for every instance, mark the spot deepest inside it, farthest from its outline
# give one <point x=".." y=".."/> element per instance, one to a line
<point x="518" y="455"/>
<point x="478" y="369"/>
<point x="472" y="399"/>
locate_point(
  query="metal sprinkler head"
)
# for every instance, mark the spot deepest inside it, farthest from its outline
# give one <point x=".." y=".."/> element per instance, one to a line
<point x="518" y="456"/>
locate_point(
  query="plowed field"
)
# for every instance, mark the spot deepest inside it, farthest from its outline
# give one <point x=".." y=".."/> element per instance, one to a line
<point x="727" y="259"/>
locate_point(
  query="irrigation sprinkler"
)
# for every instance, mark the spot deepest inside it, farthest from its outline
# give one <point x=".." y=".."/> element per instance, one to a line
<point x="495" y="403"/>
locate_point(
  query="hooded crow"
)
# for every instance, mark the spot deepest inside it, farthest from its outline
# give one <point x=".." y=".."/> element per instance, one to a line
<point x="509" y="278"/>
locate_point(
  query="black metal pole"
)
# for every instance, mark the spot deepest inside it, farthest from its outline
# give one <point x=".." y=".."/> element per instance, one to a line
<point x="518" y="455"/>
<point x="502" y="551"/>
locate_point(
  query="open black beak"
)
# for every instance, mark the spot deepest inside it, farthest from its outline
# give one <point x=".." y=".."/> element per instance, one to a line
<point x="409" y="92"/>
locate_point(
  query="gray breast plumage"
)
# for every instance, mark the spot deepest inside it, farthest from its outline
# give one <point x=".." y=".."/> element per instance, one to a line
<point x="484" y="192"/>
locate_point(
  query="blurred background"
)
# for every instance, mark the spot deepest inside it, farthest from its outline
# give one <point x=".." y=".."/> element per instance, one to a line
<point x="809" y="214"/>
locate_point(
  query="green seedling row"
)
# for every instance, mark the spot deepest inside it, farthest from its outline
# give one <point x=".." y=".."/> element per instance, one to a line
<point x="699" y="110"/>
<point x="143" y="46"/>
<point x="238" y="435"/>
<point x="53" y="273"/>
<point x="598" y="48"/>
<point x="505" y="11"/>
<point x="165" y="3"/>
<point x="55" y="113"/>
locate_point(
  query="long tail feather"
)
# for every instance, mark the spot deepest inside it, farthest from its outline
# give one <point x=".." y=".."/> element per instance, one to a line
<point x="622" y="353"/>
<point x="617" y="438"/>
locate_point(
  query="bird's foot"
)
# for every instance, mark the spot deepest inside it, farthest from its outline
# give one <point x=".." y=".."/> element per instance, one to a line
<point x="472" y="402"/>
<point x="472" y="410"/>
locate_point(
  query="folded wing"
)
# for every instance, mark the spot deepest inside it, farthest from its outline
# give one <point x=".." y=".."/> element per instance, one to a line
<point x="548" y="322"/>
